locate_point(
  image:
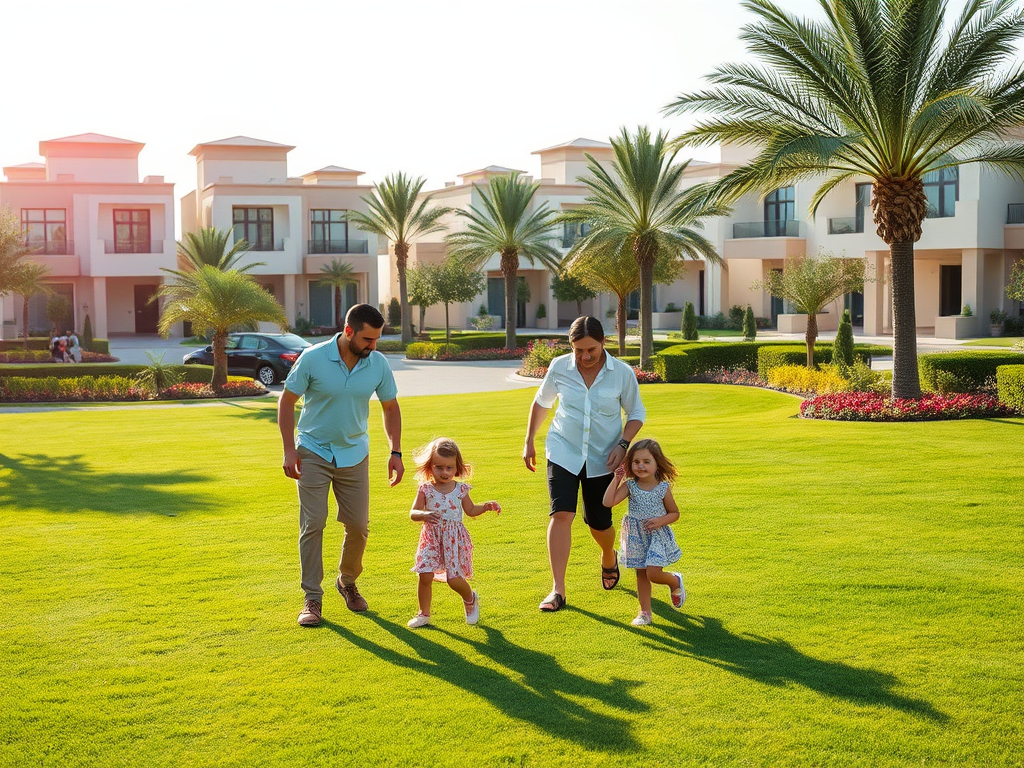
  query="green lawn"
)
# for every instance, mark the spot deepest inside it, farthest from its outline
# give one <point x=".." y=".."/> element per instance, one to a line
<point x="855" y="599"/>
<point x="996" y="341"/>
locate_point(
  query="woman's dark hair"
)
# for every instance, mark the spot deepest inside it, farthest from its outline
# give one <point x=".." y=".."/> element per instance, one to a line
<point x="582" y="327"/>
<point x="364" y="314"/>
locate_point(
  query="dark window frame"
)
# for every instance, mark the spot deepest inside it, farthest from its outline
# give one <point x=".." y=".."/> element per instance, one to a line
<point x="137" y="218"/>
<point x="946" y="181"/>
<point x="322" y="230"/>
<point x="862" y="202"/>
<point x="779" y="207"/>
<point x="253" y="217"/>
<point x="46" y="221"/>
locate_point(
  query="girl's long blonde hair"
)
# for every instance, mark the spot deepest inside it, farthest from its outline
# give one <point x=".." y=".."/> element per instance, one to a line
<point x="665" y="469"/>
<point x="446" y="448"/>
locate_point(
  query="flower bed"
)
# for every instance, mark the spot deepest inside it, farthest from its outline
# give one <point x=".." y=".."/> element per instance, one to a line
<point x="189" y="391"/>
<point x="643" y="377"/>
<point x="499" y="353"/>
<point x="44" y="356"/>
<point x="82" y="389"/>
<point x="870" y="406"/>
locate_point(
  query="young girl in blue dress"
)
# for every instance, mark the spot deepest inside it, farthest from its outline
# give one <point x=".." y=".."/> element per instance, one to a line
<point x="445" y="551"/>
<point x="648" y="544"/>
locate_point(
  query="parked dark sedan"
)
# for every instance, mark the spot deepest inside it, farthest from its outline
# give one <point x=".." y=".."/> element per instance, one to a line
<point x="267" y="357"/>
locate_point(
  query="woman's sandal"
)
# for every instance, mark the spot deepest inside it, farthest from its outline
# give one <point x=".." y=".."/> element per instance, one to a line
<point x="610" y="574"/>
<point x="553" y="602"/>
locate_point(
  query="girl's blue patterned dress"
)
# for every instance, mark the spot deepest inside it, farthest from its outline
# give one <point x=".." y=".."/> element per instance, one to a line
<point x="640" y="547"/>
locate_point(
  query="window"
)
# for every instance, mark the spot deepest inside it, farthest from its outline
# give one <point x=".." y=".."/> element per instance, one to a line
<point x="329" y="230"/>
<point x="573" y="231"/>
<point x="256" y="225"/>
<point x="131" y="232"/>
<point x="45" y="229"/>
<point x="779" y="209"/>
<point x="942" y="188"/>
<point x="863" y="204"/>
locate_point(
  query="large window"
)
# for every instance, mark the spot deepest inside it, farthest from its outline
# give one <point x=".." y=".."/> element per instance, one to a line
<point x="131" y="231"/>
<point x="45" y="229"/>
<point x="942" y="188"/>
<point x="329" y="231"/>
<point x="256" y="225"/>
<point x="779" y="208"/>
<point x="863" y="204"/>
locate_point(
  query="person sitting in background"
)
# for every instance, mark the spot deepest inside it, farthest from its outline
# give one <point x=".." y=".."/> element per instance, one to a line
<point x="58" y="349"/>
<point x="73" y="347"/>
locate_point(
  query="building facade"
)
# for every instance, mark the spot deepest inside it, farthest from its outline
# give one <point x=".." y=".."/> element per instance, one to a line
<point x="103" y="234"/>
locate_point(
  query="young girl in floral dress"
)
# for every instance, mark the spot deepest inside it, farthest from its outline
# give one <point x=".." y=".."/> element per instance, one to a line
<point x="445" y="551"/>
<point x="648" y="544"/>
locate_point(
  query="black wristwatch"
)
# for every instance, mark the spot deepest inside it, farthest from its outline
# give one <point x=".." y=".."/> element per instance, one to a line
<point x="397" y="453"/>
<point x="624" y="444"/>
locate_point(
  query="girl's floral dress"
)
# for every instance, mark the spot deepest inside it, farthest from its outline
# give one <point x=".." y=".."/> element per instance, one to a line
<point x="640" y="547"/>
<point x="445" y="548"/>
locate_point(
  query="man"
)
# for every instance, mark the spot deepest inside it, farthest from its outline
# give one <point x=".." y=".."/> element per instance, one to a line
<point x="335" y="380"/>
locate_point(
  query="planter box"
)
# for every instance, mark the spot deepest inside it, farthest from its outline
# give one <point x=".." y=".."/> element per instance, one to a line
<point x="798" y="323"/>
<point x="956" y="327"/>
<point x="495" y="322"/>
<point x="666" y="321"/>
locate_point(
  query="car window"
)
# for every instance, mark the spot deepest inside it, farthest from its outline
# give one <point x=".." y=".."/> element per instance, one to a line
<point x="231" y="342"/>
<point x="263" y="343"/>
<point x="292" y="341"/>
<point x="249" y="342"/>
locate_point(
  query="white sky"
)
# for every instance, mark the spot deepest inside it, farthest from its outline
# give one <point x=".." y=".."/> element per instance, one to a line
<point x="430" y="87"/>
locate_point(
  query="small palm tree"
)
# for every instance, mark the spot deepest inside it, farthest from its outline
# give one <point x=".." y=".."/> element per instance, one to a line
<point x="209" y="246"/>
<point x="30" y="280"/>
<point x="337" y="275"/>
<point x="641" y="206"/>
<point x="215" y="301"/>
<point x="875" y="91"/>
<point x="396" y="213"/>
<point x="506" y="226"/>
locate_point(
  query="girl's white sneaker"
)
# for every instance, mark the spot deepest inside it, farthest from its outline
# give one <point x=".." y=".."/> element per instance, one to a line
<point x="473" y="612"/>
<point x="417" y="621"/>
<point x="642" y="619"/>
<point x="678" y="595"/>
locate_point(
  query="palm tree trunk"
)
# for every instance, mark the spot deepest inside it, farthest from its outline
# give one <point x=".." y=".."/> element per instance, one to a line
<point x="906" y="381"/>
<point x="510" y="268"/>
<point x="810" y="336"/>
<point x="220" y="360"/>
<point x="646" y="319"/>
<point x="338" y="319"/>
<point x="620" y="324"/>
<point x="402" y="259"/>
<point x="24" y="319"/>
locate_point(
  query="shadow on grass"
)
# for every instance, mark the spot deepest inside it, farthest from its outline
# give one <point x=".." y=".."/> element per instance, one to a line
<point x="530" y="686"/>
<point x="260" y="410"/>
<point x="70" y="484"/>
<point x="771" y="661"/>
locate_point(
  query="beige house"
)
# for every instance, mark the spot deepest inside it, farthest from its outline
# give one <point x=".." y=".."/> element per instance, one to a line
<point x="295" y="225"/>
<point x="103" y="234"/>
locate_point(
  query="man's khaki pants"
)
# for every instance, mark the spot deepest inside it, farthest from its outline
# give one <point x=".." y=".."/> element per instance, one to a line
<point x="352" y="492"/>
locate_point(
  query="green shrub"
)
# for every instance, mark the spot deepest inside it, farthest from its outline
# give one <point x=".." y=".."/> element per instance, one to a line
<point x="468" y="340"/>
<point x="634" y="360"/>
<point x="736" y="315"/>
<point x="844" y="339"/>
<point x="542" y="352"/>
<point x="1010" y="383"/>
<point x="971" y="368"/>
<point x="689" y="323"/>
<point x="71" y="388"/>
<point x="390" y="345"/>
<point x="775" y="356"/>
<point x="34" y="342"/>
<point x="427" y="350"/>
<point x="800" y="378"/>
<point x="395" y="313"/>
<point x="87" y="339"/>
<point x="198" y="374"/>
<point x="749" y="325"/>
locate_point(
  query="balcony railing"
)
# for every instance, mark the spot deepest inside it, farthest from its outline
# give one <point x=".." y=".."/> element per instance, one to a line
<point x="766" y="229"/>
<point x="53" y="247"/>
<point x="267" y="245"/>
<point x="348" y="245"/>
<point x="843" y="226"/>
<point x="1015" y="213"/>
<point x="133" y="246"/>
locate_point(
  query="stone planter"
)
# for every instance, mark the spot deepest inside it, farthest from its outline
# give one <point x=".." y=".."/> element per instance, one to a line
<point x="664" y="321"/>
<point x="956" y="327"/>
<point x="996" y="329"/>
<point x="798" y="323"/>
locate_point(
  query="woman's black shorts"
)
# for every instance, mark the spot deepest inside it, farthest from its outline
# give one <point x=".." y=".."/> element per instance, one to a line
<point x="564" y="488"/>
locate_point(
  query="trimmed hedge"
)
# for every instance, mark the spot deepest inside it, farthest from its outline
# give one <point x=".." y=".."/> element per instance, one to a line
<point x="476" y="340"/>
<point x="426" y="350"/>
<point x="969" y="366"/>
<point x="770" y="358"/>
<point x="1010" y="382"/>
<point x="37" y="342"/>
<point x="196" y="374"/>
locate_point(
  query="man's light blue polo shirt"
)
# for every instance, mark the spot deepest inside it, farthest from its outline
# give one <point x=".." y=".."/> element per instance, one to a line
<point x="336" y="401"/>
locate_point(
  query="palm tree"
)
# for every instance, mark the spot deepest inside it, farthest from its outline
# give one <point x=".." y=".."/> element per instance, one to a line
<point x="394" y="213"/>
<point x="617" y="272"/>
<point x="640" y="206"/>
<point x="506" y="226"/>
<point x="30" y="280"/>
<point x="209" y="246"/>
<point x="13" y="252"/>
<point x="874" y="91"/>
<point x="215" y="300"/>
<point x="337" y="275"/>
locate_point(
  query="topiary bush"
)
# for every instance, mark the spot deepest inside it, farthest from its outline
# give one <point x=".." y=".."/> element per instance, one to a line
<point x="844" y="339"/>
<point x="689" y="323"/>
<point x="970" y="368"/>
<point x="801" y="379"/>
<point x="395" y="313"/>
<point x="1010" y="386"/>
<point x="87" y="339"/>
<point x="749" y="325"/>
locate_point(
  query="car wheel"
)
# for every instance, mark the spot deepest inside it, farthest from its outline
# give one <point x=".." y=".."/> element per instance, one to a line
<point x="265" y="375"/>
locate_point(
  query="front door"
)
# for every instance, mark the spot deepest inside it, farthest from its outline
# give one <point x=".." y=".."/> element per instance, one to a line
<point x="496" y="297"/>
<point x="778" y="306"/>
<point x="950" y="281"/>
<point x="146" y="313"/>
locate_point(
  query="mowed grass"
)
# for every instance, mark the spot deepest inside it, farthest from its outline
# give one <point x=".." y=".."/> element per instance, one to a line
<point x="855" y="599"/>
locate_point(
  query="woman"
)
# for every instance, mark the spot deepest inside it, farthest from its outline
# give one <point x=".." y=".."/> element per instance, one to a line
<point x="585" y="443"/>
